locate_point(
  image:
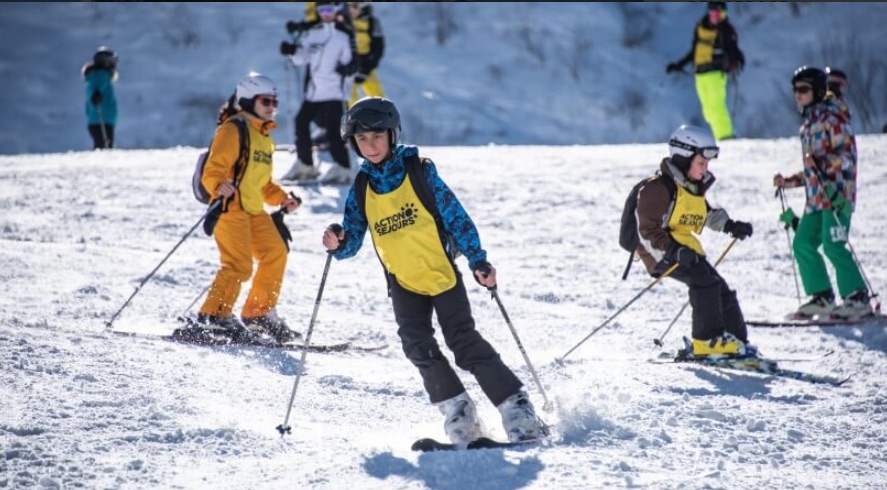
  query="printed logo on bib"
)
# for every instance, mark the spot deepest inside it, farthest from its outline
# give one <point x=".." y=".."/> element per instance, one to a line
<point x="261" y="156"/>
<point x="691" y="220"/>
<point x="406" y="217"/>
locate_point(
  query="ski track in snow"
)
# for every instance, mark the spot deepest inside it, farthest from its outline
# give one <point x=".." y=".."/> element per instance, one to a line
<point x="82" y="408"/>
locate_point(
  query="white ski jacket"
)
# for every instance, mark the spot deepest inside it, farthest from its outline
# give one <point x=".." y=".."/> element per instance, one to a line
<point x="322" y="49"/>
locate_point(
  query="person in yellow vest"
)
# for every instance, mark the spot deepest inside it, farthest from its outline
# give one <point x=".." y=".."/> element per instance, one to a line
<point x="714" y="53"/>
<point x="671" y="212"/>
<point x="244" y="230"/>
<point x="416" y="239"/>
<point x="370" y="45"/>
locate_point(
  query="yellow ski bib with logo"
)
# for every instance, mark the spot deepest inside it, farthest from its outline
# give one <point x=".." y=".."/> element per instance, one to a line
<point x="407" y="240"/>
<point x="687" y="219"/>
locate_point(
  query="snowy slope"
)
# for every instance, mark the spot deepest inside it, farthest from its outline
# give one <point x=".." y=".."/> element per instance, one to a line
<point x="524" y="73"/>
<point x="83" y="408"/>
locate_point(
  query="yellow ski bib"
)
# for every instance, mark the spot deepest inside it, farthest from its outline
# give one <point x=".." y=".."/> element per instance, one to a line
<point x="407" y="241"/>
<point x="687" y="219"/>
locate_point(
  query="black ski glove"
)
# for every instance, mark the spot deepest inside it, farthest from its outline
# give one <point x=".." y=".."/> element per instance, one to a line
<point x="483" y="267"/>
<point x="359" y="78"/>
<point x="287" y="49"/>
<point x="738" y="229"/>
<point x="673" y="67"/>
<point x="96" y="98"/>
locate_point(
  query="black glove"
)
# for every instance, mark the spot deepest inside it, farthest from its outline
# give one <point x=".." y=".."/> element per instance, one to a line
<point x="359" y="78"/>
<point x="96" y="98"/>
<point x="685" y="256"/>
<point x="738" y="229"/>
<point x="344" y="70"/>
<point x="337" y="228"/>
<point x="483" y="267"/>
<point x="673" y="67"/>
<point x="287" y="49"/>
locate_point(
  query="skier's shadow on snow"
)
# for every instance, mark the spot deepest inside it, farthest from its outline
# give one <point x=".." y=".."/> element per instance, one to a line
<point x="278" y="361"/>
<point x="458" y="470"/>
<point x="873" y="336"/>
<point x="736" y="383"/>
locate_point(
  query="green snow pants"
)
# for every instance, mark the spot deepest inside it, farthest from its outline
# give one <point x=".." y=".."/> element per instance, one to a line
<point x="820" y="229"/>
<point x="712" y="90"/>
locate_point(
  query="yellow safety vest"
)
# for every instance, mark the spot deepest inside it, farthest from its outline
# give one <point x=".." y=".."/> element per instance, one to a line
<point x="705" y="45"/>
<point x="407" y="241"/>
<point x="687" y="219"/>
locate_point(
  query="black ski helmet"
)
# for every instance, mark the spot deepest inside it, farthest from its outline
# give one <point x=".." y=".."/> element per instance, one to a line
<point x="717" y="6"/>
<point x="371" y="114"/>
<point x="836" y="79"/>
<point x="815" y="77"/>
<point x="105" y="57"/>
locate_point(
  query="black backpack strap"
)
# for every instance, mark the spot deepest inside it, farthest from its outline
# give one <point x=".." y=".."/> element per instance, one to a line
<point x="418" y="176"/>
<point x="243" y="157"/>
<point x="360" y="192"/>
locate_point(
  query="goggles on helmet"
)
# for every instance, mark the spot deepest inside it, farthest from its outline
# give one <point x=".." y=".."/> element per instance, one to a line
<point x="366" y="120"/>
<point x="707" y="152"/>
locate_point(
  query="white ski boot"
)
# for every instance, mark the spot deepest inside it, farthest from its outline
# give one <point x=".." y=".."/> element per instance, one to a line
<point x="519" y="418"/>
<point x="462" y="424"/>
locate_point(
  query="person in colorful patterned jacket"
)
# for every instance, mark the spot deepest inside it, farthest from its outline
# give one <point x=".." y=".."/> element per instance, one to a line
<point x="671" y="212"/>
<point x="411" y="242"/>
<point x="715" y="53"/>
<point x="101" y="102"/>
<point x="245" y="231"/>
<point x="828" y="146"/>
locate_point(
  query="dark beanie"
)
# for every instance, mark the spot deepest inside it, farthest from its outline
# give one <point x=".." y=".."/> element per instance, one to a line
<point x="717" y="5"/>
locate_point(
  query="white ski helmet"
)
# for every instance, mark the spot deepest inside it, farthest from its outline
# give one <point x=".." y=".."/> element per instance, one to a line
<point x="255" y="84"/>
<point x="687" y="141"/>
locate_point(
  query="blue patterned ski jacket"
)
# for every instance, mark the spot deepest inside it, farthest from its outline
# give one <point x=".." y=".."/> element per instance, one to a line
<point x="388" y="176"/>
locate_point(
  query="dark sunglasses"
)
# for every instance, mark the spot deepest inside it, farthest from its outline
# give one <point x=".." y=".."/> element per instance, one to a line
<point x="802" y="89"/>
<point x="267" y="101"/>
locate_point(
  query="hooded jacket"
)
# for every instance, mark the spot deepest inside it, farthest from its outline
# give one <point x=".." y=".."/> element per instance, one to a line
<point x="655" y="208"/>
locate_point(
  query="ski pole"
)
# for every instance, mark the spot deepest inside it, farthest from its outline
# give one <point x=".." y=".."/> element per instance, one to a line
<point x="608" y="320"/>
<point x="781" y="193"/>
<point x="138" y="288"/>
<point x="284" y="428"/>
<point x="186" y="310"/>
<point x="547" y="406"/>
<point x="658" y="341"/>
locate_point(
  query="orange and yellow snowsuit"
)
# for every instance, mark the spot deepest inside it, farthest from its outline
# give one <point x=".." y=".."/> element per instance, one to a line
<point x="245" y="231"/>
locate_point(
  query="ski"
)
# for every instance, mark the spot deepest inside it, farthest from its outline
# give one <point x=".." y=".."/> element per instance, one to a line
<point x="430" y="445"/>
<point x="790" y="321"/>
<point x="767" y="367"/>
<point x="670" y="356"/>
<point x="208" y="338"/>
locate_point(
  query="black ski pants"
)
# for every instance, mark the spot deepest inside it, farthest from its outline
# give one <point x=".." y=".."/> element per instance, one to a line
<point x="715" y="307"/>
<point x="472" y="353"/>
<point x="327" y="115"/>
<point x="98" y="137"/>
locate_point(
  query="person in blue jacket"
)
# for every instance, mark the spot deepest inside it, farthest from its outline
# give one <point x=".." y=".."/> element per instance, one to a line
<point x="415" y="238"/>
<point x="101" y="103"/>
